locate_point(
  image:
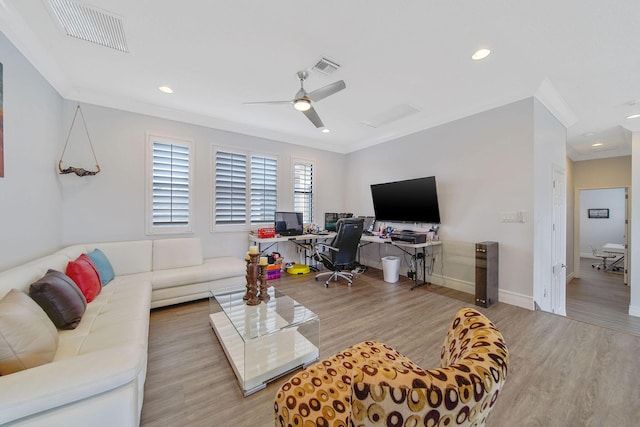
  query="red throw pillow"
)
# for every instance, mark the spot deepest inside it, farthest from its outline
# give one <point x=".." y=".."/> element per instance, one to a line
<point x="84" y="273"/>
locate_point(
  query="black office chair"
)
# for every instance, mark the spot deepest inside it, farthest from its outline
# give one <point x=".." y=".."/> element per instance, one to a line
<point x="603" y="256"/>
<point x="343" y="250"/>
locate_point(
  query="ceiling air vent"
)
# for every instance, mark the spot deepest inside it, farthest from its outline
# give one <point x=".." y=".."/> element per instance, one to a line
<point x="90" y="24"/>
<point x="326" y="66"/>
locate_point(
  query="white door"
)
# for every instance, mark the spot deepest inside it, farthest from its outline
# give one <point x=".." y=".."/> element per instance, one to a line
<point x="626" y="236"/>
<point x="559" y="244"/>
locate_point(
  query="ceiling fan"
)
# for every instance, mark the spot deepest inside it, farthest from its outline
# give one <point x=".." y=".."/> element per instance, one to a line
<point x="302" y="100"/>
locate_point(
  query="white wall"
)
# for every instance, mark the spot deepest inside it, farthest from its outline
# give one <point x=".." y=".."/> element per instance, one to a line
<point x="30" y="195"/>
<point x="483" y="166"/>
<point x="111" y="205"/>
<point x="549" y="152"/>
<point x="597" y="232"/>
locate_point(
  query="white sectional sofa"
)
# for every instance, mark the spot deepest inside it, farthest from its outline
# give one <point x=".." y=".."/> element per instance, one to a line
<point x="98" y="371"/>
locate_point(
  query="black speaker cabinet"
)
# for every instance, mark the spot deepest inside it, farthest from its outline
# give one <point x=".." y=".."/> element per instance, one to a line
<point x="486" y="273"/>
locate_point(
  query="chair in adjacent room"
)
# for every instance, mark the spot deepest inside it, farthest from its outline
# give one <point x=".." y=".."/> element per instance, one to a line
<point x="342" y="251"/>
<point x="373" y="384"/>
<point x="604" y="256"/>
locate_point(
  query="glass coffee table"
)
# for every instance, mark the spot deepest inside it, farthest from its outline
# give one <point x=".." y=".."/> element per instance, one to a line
<point x="265" y="341"/>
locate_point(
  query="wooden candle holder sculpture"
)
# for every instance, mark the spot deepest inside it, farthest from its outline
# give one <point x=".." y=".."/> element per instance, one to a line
<point x="264" y="295"/>
<point x="252" y="275"/>
<point x="247" y="278"/>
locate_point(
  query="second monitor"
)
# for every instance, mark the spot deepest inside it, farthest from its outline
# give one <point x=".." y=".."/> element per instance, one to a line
<point x="368" y="224"/>
<point x="331" y="218"/>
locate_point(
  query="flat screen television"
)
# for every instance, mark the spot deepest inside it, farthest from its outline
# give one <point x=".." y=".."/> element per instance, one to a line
<point x="412" y="200"/>
<point x="289" y="223"/>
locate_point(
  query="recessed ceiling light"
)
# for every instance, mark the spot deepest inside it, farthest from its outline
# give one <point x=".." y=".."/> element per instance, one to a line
<point x="597" y="144"/>
<point x="165" y="89"/>
<point x="480" y="54"/>
<point x="633" y="116"/>
<point x="325" y="130"/>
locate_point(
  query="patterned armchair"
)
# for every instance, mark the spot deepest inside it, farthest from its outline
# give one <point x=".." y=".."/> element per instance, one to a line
<point x="372" y="384"/>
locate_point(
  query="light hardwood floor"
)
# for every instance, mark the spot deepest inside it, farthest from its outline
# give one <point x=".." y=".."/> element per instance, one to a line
<point x="562" y="372"/>
<point x="601" y="298"/>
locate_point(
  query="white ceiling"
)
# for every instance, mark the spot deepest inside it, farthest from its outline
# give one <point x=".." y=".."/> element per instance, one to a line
<point x="581" y="58"/>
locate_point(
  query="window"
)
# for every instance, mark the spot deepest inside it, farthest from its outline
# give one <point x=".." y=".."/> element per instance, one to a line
<point x="231" y="188"/>
<point x="244" y="194"/>
<point x="303" y="190"/>
<point x="264" y="173"/>
<point x="170" y="193"/>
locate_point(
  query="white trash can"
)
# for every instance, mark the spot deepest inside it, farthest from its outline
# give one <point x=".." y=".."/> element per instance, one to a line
<point x="391" y="268"/>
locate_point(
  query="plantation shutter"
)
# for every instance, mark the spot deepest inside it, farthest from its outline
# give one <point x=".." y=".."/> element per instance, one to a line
<point x="303" y="190"/>
<point x="170" y="184"/>
<point x="264" y="188"/>
<point x="231" y="188"/>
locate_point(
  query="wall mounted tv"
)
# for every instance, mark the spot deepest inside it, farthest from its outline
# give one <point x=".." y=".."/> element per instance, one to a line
<point x="412" y="200"/>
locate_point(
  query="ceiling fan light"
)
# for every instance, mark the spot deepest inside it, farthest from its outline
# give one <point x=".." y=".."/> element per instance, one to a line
<point x="302" y="104"/>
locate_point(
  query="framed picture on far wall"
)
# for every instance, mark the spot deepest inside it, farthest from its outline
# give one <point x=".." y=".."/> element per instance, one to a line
<point x="598" y="213"/>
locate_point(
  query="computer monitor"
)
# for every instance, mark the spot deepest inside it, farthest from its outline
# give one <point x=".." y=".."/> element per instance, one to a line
<point x="331" y="218"/>
<point x="368" y="224"/>
<point x="289" y="223"/>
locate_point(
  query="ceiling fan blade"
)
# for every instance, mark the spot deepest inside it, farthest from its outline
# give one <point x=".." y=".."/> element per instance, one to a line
<point x="269" y="102"/>
<point x="327" y="90"/>
<point x="313" y="116"/>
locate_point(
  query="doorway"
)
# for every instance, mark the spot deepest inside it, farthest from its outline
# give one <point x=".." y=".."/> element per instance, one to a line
<point x="600" y="296"/>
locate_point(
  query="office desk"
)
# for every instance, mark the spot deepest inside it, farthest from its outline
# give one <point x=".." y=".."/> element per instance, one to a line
<point x="618" y="249"/>
<point x="304" y="241"/>
<point x="417" y="249"/>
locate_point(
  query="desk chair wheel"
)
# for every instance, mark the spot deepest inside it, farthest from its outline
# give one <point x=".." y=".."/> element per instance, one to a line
<point x="326" y="284"/>
<point x="335" y="275"/>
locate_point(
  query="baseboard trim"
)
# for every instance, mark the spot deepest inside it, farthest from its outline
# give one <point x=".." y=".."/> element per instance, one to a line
<point x="634" y="311"/>
<point x="507" y="297"/>
<point x="448" y="282"/>
<point x="514" y="298"/>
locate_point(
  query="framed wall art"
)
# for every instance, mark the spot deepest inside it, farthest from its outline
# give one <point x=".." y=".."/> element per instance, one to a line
<point x="598" y="213"/>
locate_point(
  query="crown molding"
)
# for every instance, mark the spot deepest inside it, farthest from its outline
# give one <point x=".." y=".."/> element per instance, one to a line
<point x="555" y="103"/>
